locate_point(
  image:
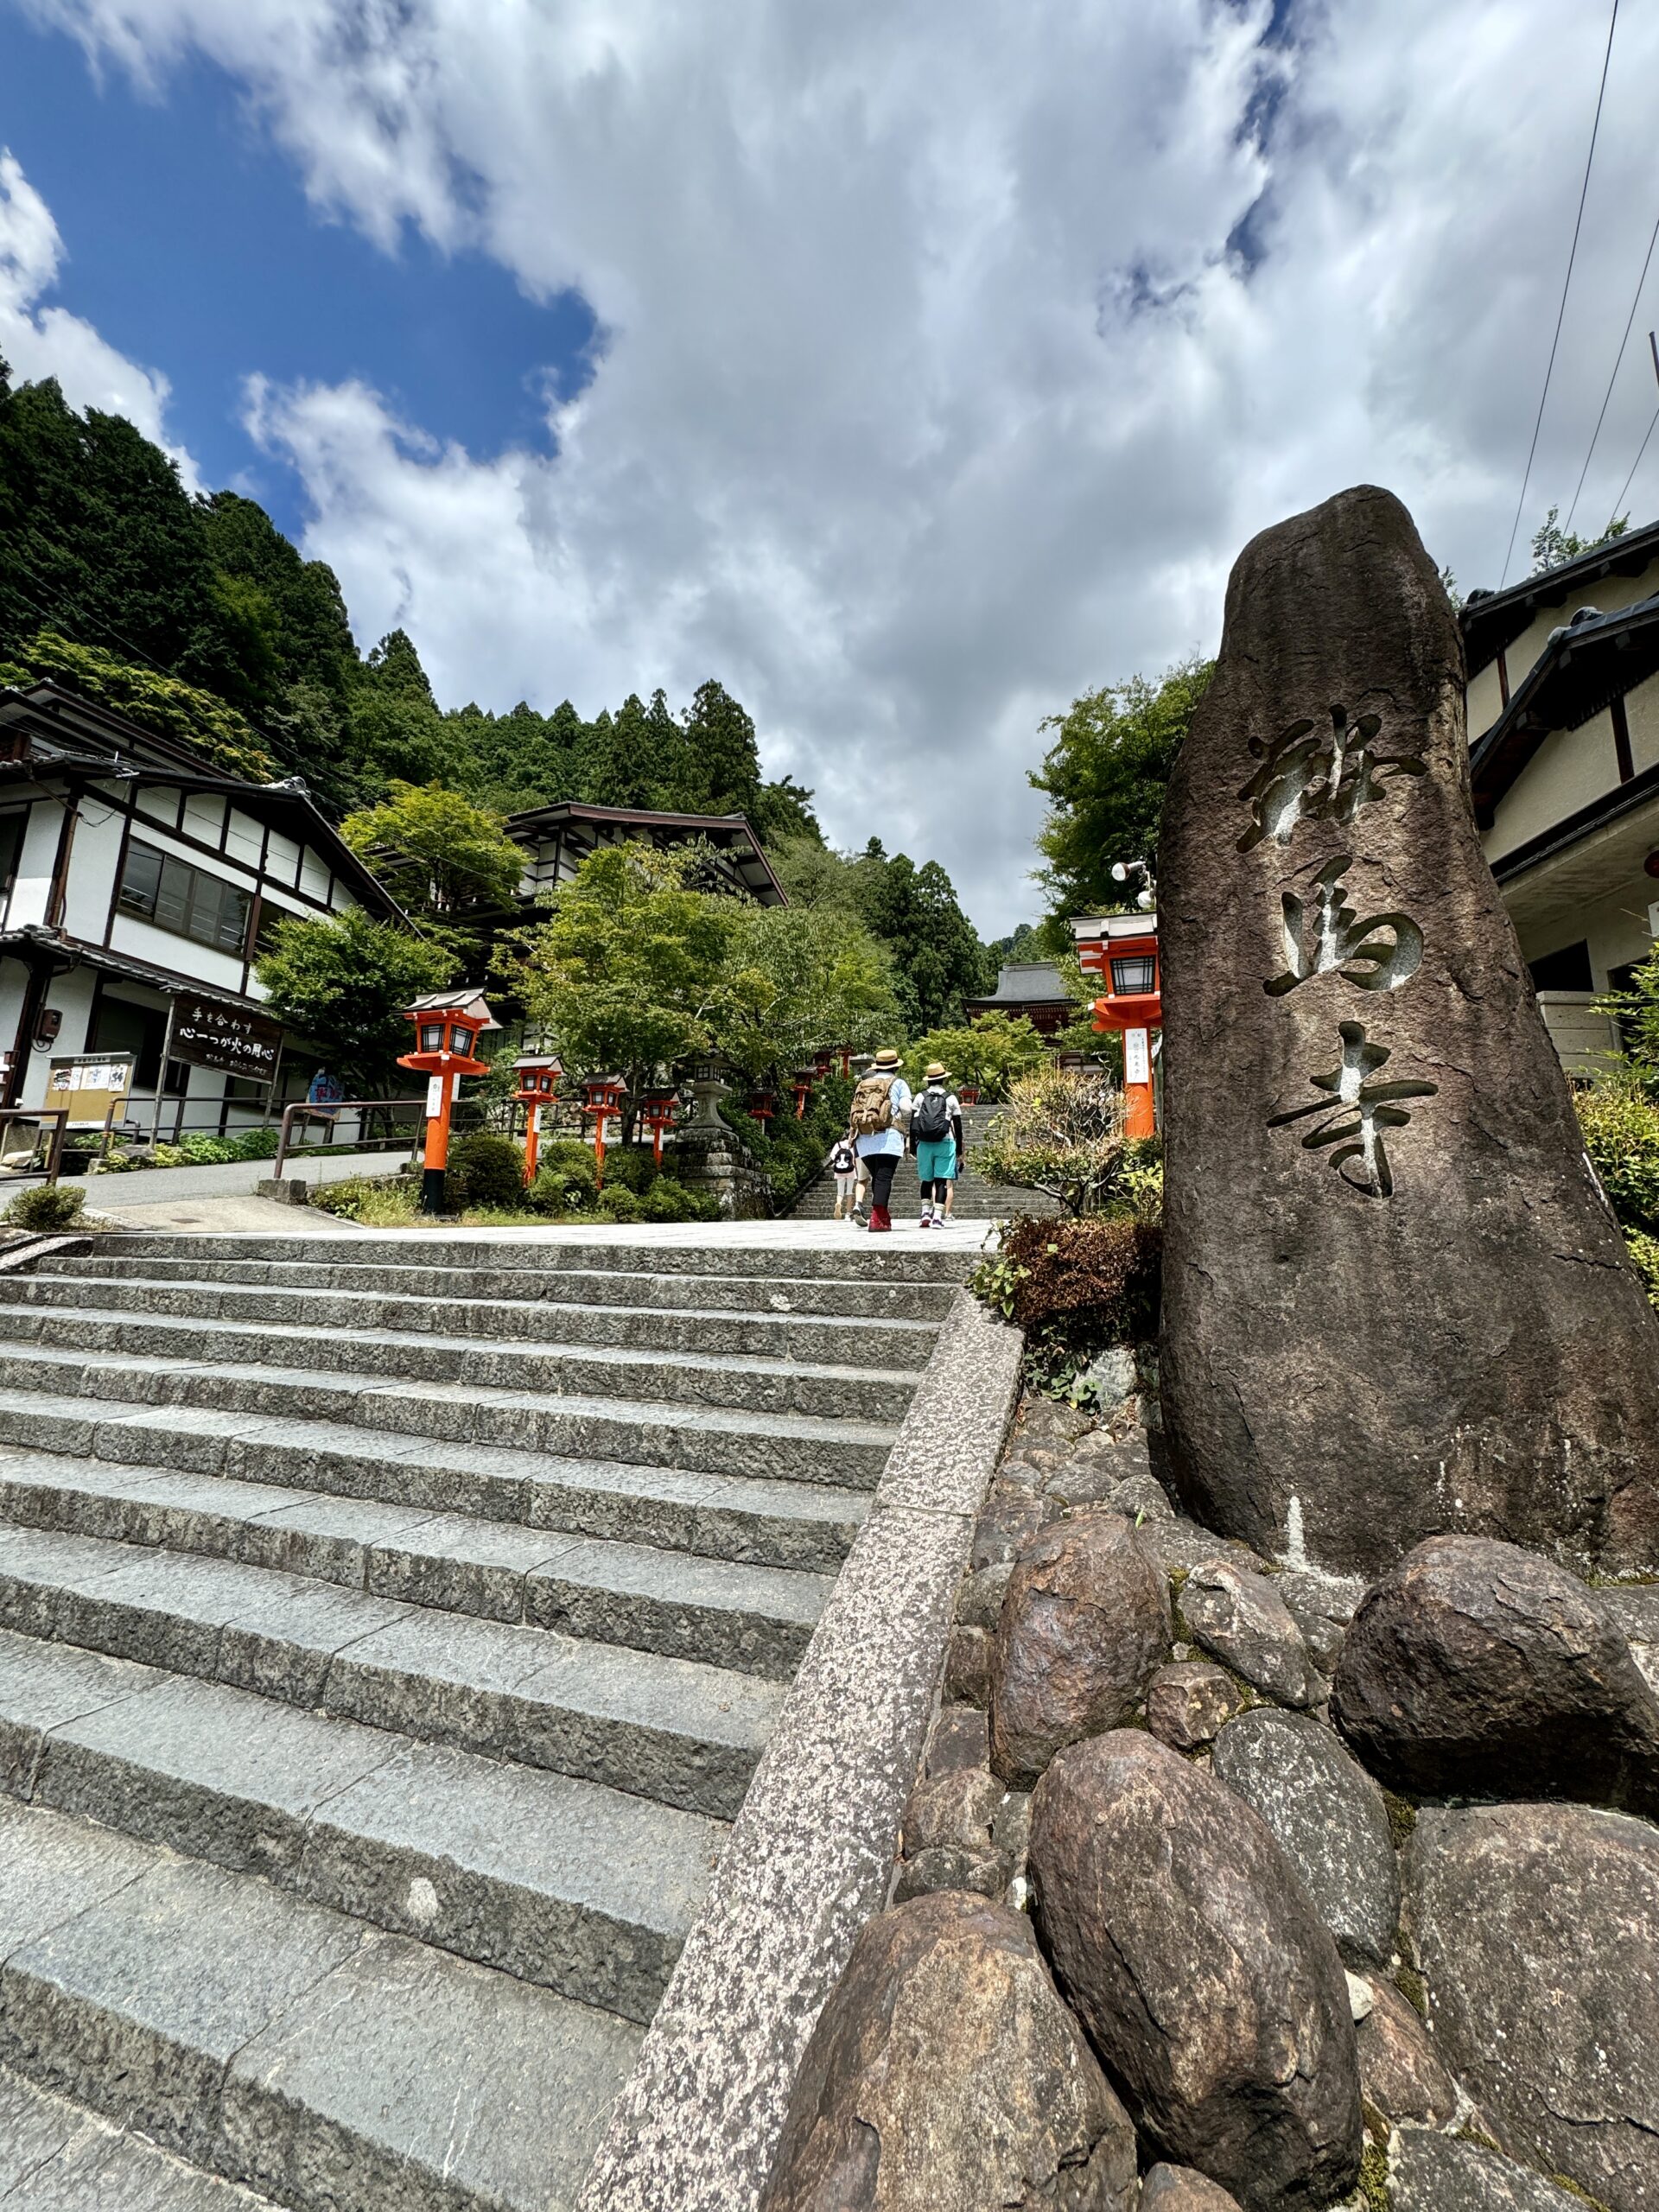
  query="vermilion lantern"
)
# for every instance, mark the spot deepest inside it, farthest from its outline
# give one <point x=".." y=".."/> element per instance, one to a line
<point x="447" y="1025"/>
<point x="601" y="1100"/>
<point x="801" y="1084"/>
<point x="1122" y="948"/>
<point x="658" y="1110"/>
<point x="538" y="1077"/>
<point x="763" y="1104"/>
<point x="822" y="1064"/>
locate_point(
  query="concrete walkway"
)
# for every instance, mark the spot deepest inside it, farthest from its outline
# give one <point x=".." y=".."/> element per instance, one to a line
<point x="222" y="1198"/>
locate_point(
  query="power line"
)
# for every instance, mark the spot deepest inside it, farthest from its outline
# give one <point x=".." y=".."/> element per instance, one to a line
<point x="1561" y="313"/>
<point x="1618" y="362"/>
<point x="1653" y="347"/>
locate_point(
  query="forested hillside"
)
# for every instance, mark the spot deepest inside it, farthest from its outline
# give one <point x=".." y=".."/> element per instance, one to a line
<point x="195" y="616"/>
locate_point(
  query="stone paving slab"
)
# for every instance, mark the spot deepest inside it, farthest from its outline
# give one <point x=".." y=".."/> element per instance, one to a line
<point x="765" y="1445"/>
<point x="57" y="2157"/>
<point x="754" y="1618"/>
<point x="581" y="1888"/>
<point x="831" y="1341"/>
<point x="277" y="2042"/>
<point x="683" y="1731"/>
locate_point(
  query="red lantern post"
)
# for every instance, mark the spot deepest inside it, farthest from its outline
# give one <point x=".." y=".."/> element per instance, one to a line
<point x="659" y="1111"/>
<point x="448" y="1025"/>
<point x="601" y="1097"/>
<point x="762" y="1105"/>
<point x="1123" y="950"/>
<point x="801" y="1083"/>
<point x="538" y="1077"/>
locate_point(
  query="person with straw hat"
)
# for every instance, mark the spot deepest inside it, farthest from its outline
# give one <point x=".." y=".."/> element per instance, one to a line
<point x="877" y="1122"/>
<point x="935" y="1132"/>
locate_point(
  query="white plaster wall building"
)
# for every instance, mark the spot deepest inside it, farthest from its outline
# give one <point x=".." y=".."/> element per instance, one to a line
<point x="1563" y="702"/>
<point x="136" y="883"/>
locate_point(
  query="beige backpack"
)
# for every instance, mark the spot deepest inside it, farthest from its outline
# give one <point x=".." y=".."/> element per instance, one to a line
<point x="872" y="1115"/>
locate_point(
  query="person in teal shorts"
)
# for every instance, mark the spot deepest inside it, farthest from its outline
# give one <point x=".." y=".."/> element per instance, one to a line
<point x="935" y="1132"/>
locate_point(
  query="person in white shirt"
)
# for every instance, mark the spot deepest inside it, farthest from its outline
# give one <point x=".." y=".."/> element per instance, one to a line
<point x="881" y="1108"/>
<point x="843" y="1165"/>
<point x="935" y="1132"/>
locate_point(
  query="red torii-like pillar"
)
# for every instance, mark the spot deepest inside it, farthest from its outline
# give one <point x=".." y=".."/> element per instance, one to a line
<point x="1122" y="950"/>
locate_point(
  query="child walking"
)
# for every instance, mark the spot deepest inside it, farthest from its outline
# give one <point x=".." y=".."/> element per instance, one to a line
<point x="843" y="1165"/>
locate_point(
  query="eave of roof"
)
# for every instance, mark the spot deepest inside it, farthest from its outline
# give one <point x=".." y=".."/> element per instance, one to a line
<point x="713" y="826"/>
<point x="75" y="952"/>
<point x="1581" y="668"/>
<point x="1498" y="618"/>
<point x="257" y="799"/>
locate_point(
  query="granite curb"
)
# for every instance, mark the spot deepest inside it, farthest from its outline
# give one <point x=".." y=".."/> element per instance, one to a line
<point x="810" y="1855"/>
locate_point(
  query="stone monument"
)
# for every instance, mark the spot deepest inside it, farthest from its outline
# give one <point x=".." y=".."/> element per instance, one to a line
<point x="1394" y="1300"/>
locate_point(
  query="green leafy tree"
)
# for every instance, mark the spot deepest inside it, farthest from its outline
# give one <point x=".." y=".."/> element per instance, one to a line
<point x="988" y="1053"/>
<point x="795" y="980"/>
<point x="344" y="984"/>
<point x="1105" y="776"/>
<point x="1636" y="1009"/>
<point x="1552" y="546"/>
<point x="625" y="973"/>
<point x="938" y="958"/>
<point x="436" y="852"/>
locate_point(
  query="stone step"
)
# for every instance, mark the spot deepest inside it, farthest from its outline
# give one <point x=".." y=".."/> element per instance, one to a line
<point x="758" y="1619"/>
<point x="57" y="2157"/>
<point x="711" y="1253"/>
<point x="474" y="1364"/>
<point x="780" y="1447"/>
<point x="683" y="1732"/>
<point x="900" y="1346"/>
<point x="581" y="1889"/>
<point x="284" y="2045"/>
<point x="875" y="1299"/>
<point x="806" y="1525"/>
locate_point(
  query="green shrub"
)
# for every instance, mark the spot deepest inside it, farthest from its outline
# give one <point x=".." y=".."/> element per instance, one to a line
<point x="1644" y="1258"/>
<point x="620" y="1203"/>
<point x="376" y="1201"/>
<point x="1621" y="1134"/>
<point x="565" y="1182"/>
<point x="48" y="1206"/>
<point x="1075" y="1287"/>
<point x="629" y="1167"/>
<point x="669" y="1199"/>
<point x="483" y="1170"/>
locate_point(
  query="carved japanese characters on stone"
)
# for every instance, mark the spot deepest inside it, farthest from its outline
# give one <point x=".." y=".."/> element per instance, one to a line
<point x="1445" y="1334"/>
<point x="1303" y="777"/>
<point x="1378" y="953"/>
<point x="1355" y="1110"/>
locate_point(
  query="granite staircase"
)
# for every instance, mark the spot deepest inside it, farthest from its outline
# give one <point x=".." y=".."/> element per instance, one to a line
<point x="976" y="1199"/>
<point x="388" y="1629"/>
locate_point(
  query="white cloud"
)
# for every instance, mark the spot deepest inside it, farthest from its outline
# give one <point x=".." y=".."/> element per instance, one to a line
<point x="40" y="341"/>
<point x="933" y="393"/>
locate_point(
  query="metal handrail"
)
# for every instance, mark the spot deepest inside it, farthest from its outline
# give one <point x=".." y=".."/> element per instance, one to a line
<point x="58" y="1113"/>
<point x="304" y="1110"/>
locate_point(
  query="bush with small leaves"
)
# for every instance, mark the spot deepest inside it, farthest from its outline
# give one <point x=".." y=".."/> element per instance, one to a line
<point x="48" y="1206"/>
<point x="484" y="1170"/>
<point x="620" y="1204"/>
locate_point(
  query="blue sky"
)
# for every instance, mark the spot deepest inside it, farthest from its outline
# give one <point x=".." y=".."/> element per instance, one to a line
<point x="945" y="367"/>
<point x="191" y="245"/>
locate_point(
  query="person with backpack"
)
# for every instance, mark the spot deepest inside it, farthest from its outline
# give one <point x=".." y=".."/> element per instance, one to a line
<point x="843" y="1165"/>
<point x="935" y="1132"/>
<point x="881" y="1104"/>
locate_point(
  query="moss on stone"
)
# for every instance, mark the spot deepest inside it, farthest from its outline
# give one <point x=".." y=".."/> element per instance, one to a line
<point x="1373" y="2189"/>
<point x="1577" y="2188"/>
<point x="1403" y="1818"/>
<point x="1412" y="1986"/>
